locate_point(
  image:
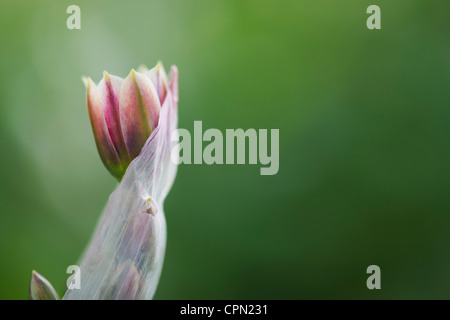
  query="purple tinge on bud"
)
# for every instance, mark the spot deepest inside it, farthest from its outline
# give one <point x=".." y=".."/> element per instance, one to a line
<point x="109" y="88"/>
<point x="123" y="114"/>
<point x="105" y="146"/>
<point x="139" y="111"/>
<point x="41" y="289"/>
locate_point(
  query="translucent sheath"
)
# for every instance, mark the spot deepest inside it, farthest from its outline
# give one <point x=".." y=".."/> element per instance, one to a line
<point x="125" y="256"/>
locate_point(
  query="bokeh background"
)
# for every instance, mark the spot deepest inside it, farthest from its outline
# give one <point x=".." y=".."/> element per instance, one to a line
<point x="364" y="143"/>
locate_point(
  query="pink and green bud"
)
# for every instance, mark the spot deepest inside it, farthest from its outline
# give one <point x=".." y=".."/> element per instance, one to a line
<point x="41" y="289"/>
<point x="124" y="113"/>
<point x="133" y="120"/>
<point x="125" y="257"/>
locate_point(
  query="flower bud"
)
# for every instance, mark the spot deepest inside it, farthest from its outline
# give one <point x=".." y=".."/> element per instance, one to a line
<point x="125" y="257"/>
<point x="124" y="113"/>
<point x="105" y="146"/>
<point x="139" y="111"/>
<point x="125" y="284"/>
<point x="41" y="289"/>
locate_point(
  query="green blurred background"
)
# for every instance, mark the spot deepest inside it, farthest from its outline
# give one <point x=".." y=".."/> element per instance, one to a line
<point x="364" y="143"/>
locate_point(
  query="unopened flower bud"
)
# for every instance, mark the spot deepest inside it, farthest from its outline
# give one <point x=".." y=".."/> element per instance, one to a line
<point x="124" y="113"/>
<point x="41" y="289"/>
<point x="126" y="254"/>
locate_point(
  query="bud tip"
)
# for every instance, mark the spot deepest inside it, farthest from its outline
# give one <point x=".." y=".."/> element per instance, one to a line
<point x="85" y="81"/>
<point x="41" y="289"/>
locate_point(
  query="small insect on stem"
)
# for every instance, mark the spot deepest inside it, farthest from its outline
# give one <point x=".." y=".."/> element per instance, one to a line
<point x="150" y="207"/>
